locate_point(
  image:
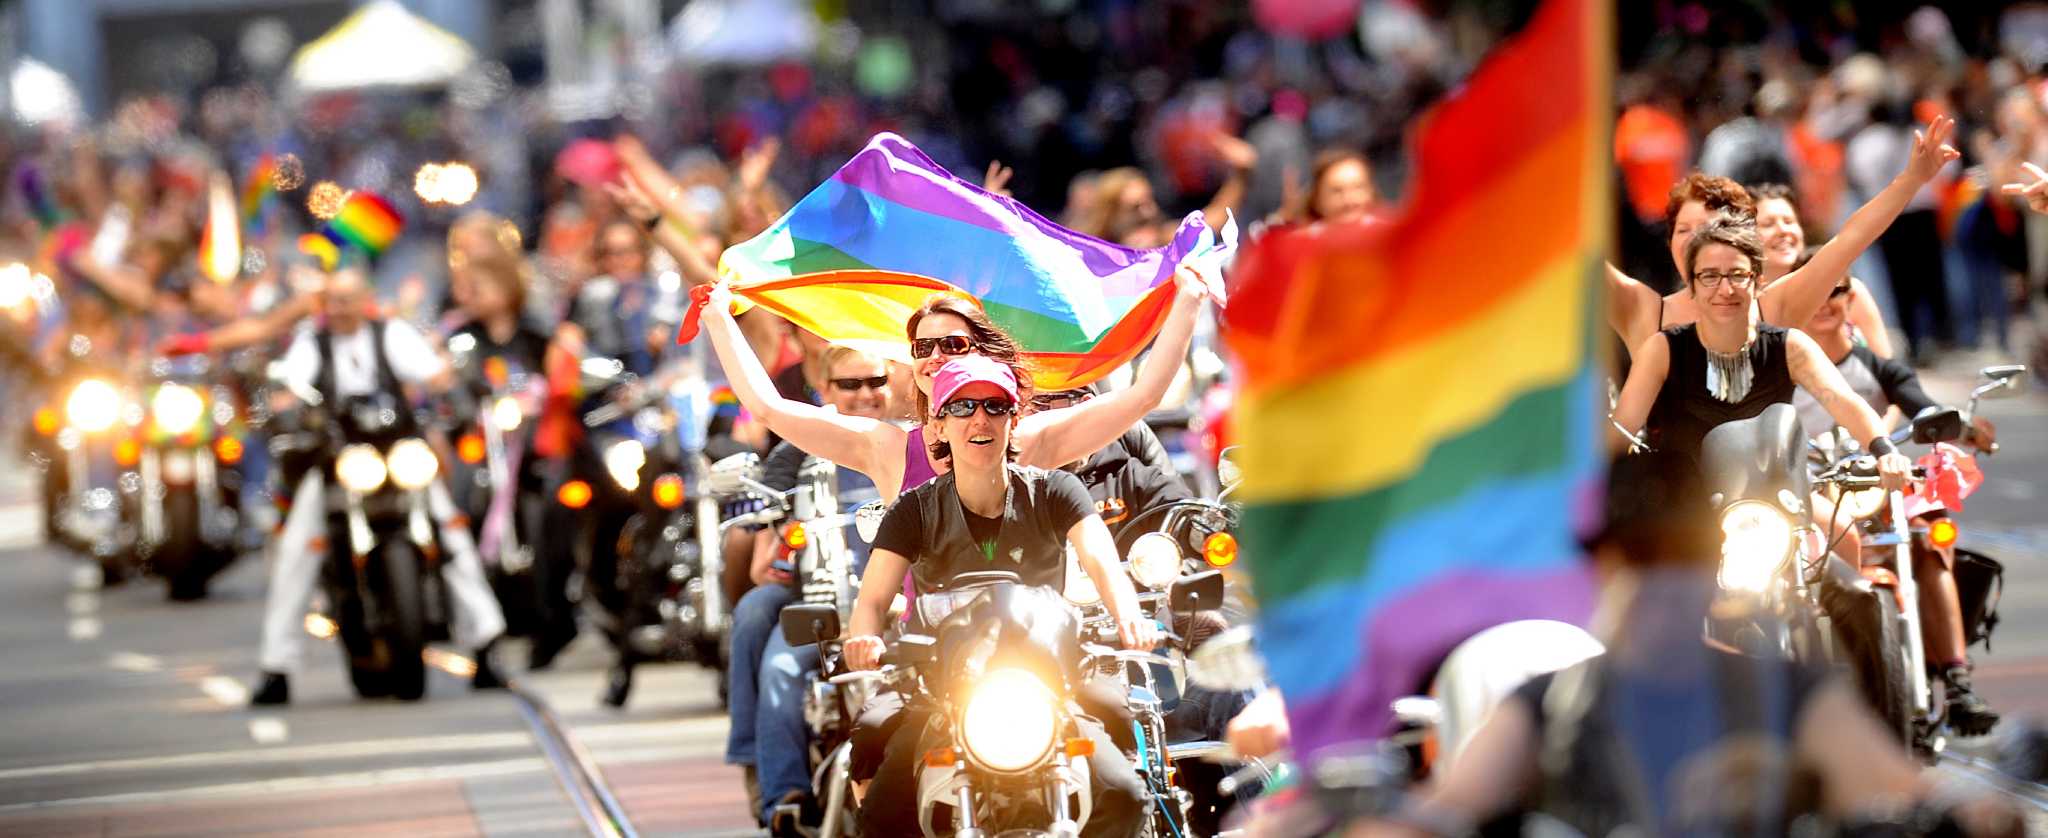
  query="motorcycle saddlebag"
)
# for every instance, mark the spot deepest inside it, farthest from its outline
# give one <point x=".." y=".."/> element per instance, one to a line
<point x="1980" y="581"/>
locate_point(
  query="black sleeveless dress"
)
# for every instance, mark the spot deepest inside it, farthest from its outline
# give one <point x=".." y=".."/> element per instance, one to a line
<point x="1686" y="410"/>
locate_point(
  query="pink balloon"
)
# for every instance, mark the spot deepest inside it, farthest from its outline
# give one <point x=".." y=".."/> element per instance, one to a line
<point x="1312" y="20"/>
<point x="588" y="162"/>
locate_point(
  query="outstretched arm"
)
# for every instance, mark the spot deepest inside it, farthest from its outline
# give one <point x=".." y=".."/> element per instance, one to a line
<point x="1793" y="300"/>
<point x="1054" y="438"/>
<point x="1812" y="370"/>
<point x="1631" y="308"/>
<point x="1651" y="365"/>
<point x="649" y="192"/>
<point x="1241" y="157"/>
<point x="854" y="442"/>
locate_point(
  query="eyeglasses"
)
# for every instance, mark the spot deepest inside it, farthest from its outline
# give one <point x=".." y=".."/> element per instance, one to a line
<point x="848" y="385"/>
<point x="1055" y="401"/>
<point x="1839" y="291"/>
<point x="1711" y="280"/>
<point x="994" y="406"/>
<point x="950" y="344"/>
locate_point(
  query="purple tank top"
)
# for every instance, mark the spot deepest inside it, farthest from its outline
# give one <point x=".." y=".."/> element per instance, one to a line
<point x="917" y="463"/>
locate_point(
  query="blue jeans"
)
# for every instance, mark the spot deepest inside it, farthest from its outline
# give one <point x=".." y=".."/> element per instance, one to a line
<point x="767" y="680"/>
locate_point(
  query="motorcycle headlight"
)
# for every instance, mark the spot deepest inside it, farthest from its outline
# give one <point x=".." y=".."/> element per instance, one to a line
<point x="16" y="284"/>
<point x="506" y="414"/>
<point x="1010" y="723"/>
<point x="624" y="460"/>
<point x="93" y="406"/>
<point x="359" y="468"/>
<point x="1755" y="542"/>
<point x="412" y="464"/>
<point x="1155" y="561"/>
<point x="176" y="408"/>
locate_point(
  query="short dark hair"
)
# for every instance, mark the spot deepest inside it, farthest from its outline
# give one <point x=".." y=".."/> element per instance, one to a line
<point x="1773" y="191"/>
<point x="1729" y="232"/>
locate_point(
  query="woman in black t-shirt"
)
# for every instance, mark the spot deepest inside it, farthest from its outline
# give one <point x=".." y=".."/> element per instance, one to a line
<point x="1728" y="366"/>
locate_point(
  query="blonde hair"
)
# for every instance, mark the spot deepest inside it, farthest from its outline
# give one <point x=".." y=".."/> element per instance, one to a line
<point x="502" y="262"/>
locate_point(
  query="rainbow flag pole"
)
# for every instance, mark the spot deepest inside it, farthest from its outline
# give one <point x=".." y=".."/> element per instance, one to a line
<point x="1419" y="406"/>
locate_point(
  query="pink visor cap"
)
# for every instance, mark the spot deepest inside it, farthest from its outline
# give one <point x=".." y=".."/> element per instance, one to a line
<point x="971" y="369"/>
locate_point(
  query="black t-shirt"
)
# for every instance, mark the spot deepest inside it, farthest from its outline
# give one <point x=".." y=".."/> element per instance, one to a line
<point x="1050" y="502"/>
<point x="527" y="348"/>
<point x="1685" y="411"/>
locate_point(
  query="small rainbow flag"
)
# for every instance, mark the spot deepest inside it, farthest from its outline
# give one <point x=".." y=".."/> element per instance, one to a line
<point x="725" y="403"/>
<point x="856" y="256"/>
<point x="1419" y="397"/>
<point x="319" y="246"/>
<point x="365" y="222"/>
<point x="262" y="184"/>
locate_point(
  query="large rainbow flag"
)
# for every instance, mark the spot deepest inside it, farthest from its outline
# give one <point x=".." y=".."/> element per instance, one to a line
<point x="1418" y="411"/>
<point x="856" y="256"/>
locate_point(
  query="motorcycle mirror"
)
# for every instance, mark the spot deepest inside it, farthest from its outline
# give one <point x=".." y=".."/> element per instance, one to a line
<point x="1198" y="592"/>
<point x="1937" y="424"/>
<point x="2010" y="378"/>
<point x="867" y="520"/>
<point x="804" y="624"/>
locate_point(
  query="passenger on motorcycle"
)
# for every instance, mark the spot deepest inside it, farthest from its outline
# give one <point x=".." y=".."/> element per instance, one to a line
<point x="1636" y="312"/>
<point x="944" y="328"/>
<point x="1664" y="735"/>
<point x="345" y="358"/>
<point x="1729" y="365"/>
<point x="986" y="514"/>
<point x="1884" y="383"/>
<point x="1785" y="251"/>
<point x="767" y="678"/>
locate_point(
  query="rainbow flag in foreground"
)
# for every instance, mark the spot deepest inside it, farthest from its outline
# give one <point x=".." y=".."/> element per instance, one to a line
<point x="1418" y="413"/>
<point x="852" y="259"/>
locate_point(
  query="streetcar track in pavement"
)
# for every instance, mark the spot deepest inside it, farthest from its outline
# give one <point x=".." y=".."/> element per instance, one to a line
<point x="1985" y="774"/>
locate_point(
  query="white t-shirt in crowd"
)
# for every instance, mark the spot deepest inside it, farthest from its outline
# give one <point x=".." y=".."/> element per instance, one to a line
<point x="355" y="361"/>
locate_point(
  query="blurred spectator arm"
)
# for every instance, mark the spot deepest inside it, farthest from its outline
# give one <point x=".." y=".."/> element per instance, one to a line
<point x="649" y="192"/>
<point x="1241" y="157"/>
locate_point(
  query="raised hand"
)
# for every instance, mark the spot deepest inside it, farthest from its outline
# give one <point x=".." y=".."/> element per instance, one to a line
<point x="755" y="163"/>
<point x="1931" y="150"/>
<point x="1234" y="152"/>
<point x="997" y="179"/>
<point x="2034" y="191"/>
<point x="634" y="199"/>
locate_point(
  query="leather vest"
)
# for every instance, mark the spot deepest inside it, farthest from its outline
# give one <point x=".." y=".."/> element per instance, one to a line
<point x="1029" y="543"/>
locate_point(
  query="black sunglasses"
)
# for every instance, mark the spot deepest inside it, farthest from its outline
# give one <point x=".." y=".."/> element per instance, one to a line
<point x="848" y="385"/>
<point x="1839" y="291"/>
<point x="950" y="344"/>
<point x="993" y="406"/>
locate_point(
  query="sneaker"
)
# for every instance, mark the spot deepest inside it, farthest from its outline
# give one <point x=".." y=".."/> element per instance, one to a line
<point x="274" y="690"/>
<point x="1968" y="713"/>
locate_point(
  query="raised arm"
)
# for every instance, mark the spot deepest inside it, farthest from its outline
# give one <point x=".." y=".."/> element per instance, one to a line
<point x="124" y="283"/>
<point x="1651" y="365"/>
<point x="1241" y="157"/>
<point x="1631" y="306"/>
<point x="649" y="192"/>
<point x="247" y="331"/>
<point x="854" y="442"/>
<point x="1054" y="438"/>
<point x="1791" y="301"/>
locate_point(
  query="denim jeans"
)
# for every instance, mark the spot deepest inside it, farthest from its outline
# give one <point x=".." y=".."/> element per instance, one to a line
<point x="767" y="683"/>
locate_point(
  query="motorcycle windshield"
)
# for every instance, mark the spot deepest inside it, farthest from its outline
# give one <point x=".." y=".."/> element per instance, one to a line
<point x="1756" y="457"/>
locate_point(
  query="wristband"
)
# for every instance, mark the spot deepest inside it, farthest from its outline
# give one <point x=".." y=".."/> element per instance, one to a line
<point x="1880" y="446"/>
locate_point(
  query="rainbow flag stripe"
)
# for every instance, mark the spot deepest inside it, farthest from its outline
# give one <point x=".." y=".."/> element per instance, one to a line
<point x="365" y="222"/>
<point x="258" y="189"/>
<point x="319" y="246"/>
<point x="1418" y="413"/>
<point x="891" y="227"/>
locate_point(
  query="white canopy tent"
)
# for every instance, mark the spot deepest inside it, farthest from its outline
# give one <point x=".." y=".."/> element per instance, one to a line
<point x="381" y="45"/>
<point x="744" y="32"/>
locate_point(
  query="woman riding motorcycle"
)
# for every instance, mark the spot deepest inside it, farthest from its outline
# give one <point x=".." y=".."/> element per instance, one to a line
<point x="1884" y="383"/>
<point x="987" y="513"/>
<point x="1636" y="312"/>
<point x="1728" y="366"/>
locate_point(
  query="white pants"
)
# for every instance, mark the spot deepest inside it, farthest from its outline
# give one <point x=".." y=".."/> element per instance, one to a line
<point x="295" y="571"/>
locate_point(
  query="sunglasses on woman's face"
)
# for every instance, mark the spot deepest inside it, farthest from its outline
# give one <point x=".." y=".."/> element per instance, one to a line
<point x="996" y="406"/>
<point x="848" y="385"/>
<point x="950" y="345"/>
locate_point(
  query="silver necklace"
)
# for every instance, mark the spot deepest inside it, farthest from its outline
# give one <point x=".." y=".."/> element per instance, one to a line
<point x="1729" y="374"/>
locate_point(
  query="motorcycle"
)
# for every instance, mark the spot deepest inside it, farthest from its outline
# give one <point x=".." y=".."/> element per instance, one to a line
<point x="1899" y="532"/>
<point x="189" y="503"/>
<point x="88" y="453"/>
<point x="382" y="578"/>
<point x="998" y="672"/>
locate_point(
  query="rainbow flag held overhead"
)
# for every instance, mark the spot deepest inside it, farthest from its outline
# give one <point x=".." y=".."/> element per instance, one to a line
<point x="257" y="190"/>
<point x="366" y="222"/>
<point x="322" y="248"/>
<point x="852" y="259"/>
<point x="1419" y="414"/>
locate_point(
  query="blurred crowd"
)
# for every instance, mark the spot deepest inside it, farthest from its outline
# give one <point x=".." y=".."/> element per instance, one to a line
<point x="1824" y="99"/>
